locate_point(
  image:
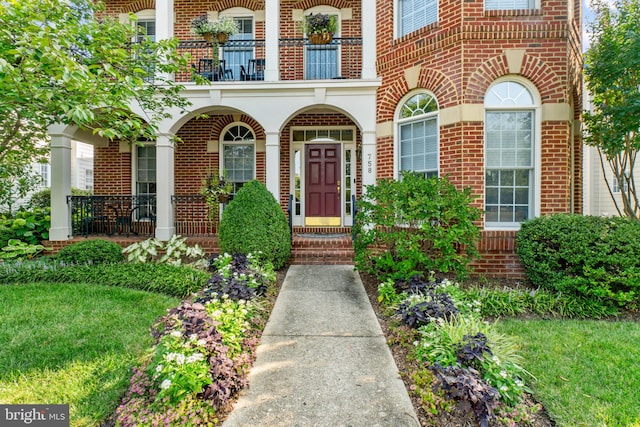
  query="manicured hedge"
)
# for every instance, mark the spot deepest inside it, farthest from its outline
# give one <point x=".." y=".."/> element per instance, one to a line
<point x="596" y="257"/>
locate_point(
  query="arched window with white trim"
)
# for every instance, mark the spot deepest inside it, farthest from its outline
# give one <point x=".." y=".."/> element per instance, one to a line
<point x="238" y="155"/>
<point x="510" y="130"/>
<point x="418" y="135"/>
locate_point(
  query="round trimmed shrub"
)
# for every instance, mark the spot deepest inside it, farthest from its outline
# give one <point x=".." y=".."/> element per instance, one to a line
<point x="254" y="222"/>
<point x="91" y="252"/>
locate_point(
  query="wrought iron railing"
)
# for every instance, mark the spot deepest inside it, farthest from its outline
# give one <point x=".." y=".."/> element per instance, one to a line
<point x="243" y="60"/>
<point x="191" y="216"/>
<point x="109" y="215"/>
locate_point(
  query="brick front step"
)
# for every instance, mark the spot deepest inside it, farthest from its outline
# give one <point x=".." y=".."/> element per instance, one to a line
<point x="321" y="248"/>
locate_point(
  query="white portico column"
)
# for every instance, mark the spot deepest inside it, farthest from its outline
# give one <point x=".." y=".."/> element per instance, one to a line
<point x="271" y="36"/>
<point x="164" y="19"/>
<point x="60" y="186"/>
<point x="368" y="158"/>
<point x="368" y="26"/>
<point x="165" y="184"/>
<point x="272" y="162"/>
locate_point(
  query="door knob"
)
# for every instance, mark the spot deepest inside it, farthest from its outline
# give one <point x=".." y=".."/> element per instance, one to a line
<point x="338" y="187"/>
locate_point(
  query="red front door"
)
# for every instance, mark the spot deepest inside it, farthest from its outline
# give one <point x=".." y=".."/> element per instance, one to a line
<point x="322" y="184"/>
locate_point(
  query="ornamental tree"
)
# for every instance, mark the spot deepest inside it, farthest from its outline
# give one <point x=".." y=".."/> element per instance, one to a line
<point x="612" y="75"/>
<point x="60" y="64"/>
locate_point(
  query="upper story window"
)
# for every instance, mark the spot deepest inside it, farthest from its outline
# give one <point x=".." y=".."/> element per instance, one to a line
<point x="417" y="123"/>
<point x="146" y="24"/>
<point x="239" y="53"/>
<point x="322" y="61"/>
<point x="415" y="14"/>
<point x="509" y="4"/>
<point x="509" y="154"/>
<point x="238" y="155"/>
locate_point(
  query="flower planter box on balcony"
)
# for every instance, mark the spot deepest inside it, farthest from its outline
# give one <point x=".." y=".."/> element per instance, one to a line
<point x="321" y="38"/>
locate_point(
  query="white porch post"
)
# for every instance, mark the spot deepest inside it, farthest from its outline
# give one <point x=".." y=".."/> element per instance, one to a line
<point x="164" y="19"/>
<point x="60" y="187"/>
<point x="164" y="23"/>
<point x="164" y="187"/>
<point x="369" y="40"/>
<point x="272" y="162"/>
<point x="368" y="158"/>
<point x="272" y="35"/>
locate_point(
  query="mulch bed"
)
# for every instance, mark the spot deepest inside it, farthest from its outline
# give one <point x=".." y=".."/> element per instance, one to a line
<point x="407" y="367"/>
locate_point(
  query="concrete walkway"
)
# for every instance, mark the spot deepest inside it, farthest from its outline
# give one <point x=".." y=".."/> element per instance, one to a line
<point x="323" y="359"/>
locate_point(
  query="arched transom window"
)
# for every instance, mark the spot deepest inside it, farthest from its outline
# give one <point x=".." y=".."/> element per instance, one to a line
<point x="418" y="135"/>
<point x="238" y="155"/>
<point x="509" y="154"/>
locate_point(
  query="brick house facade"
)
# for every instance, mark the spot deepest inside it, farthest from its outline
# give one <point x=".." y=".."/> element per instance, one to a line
<point x="487" y="93"/>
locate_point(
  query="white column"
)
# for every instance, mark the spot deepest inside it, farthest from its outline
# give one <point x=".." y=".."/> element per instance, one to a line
<point x="164" y="24"/>
<point x="368" y="158"/>
<point x="272" y="35"/>
<point x="165" y="168"/>
<point x="60" y="187"/>
<point x="272" y="163"/>
<point x="369" y="39"/>
<point x="164" y="19"/>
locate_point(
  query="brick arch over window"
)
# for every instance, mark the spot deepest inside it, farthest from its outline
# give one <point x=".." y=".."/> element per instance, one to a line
<point x="137" y="6"/>
<point x="431" y="79"/>
<point x="533" y="68"/>
<point x="223" y="121"/>
<point x="228" y="4"/>
<point x="308" y="4"/>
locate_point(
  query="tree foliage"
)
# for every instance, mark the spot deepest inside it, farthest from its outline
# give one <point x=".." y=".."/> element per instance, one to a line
<point x="612" y="74"/>
<point x="59" y="64"/>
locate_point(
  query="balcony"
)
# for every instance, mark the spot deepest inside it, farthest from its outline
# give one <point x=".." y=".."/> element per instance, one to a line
<point x="244" y="60"/>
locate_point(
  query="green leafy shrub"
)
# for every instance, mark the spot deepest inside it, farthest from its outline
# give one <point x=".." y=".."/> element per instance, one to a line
<point x="175" y="251"/>
<point x="42" y="199"/>
<point x="254" y="222"/>
<point x="91" y="252"/>
<point x="17" y="249"/>
<point x="414" y="226"/>
<point x="28" y="226"/>
<point x="178" y="281"/>
<point x="594" y="257"/>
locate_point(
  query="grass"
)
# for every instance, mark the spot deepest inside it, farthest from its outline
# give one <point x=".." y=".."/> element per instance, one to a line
<point x="587" y="371"/>
<point x="73" y="344"/>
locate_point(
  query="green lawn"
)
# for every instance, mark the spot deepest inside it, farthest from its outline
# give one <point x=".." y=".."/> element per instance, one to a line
<point x="73" y="343"/>
<point x="588" y="372"/>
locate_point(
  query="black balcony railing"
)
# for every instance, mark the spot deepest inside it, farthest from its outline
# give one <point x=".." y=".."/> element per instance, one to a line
<point x="340" y="59"/>
<point x="243" y="60"/>
<point x="109" y="215"/>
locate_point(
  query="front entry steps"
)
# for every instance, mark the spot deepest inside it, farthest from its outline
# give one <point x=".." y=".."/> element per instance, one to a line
<point x="321" y="245"/>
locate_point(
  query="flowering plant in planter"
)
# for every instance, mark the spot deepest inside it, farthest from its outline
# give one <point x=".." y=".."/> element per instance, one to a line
<point x="216" y="189"/>
<point x="319" y="23"/>
<point x="225" y="25"/>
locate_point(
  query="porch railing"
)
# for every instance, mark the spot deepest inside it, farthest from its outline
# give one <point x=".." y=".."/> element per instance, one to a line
<point x="191" y="216"/>
<point x="108" y="215"/>
<point x="243" y="60"/>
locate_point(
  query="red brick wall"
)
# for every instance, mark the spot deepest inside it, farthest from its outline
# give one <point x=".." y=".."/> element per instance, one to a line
<point x="459" y="57"/>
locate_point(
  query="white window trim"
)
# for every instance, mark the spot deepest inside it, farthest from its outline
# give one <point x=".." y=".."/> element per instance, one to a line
<point x="222" y="143"/>
<point x="535" y="6"/>
<point x="134" y="166"/>
<point x="397" y="19"/>
<point x="537" y="144"/>
<point x="397" y="121"/>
